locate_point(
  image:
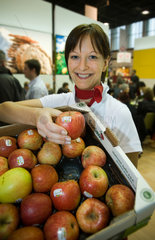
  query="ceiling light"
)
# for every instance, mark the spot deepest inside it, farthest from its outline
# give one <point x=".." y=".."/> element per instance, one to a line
<point x="145" y="12"/>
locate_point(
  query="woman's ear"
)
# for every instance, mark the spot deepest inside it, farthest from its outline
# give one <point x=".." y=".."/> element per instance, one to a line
<point x="106" y="63"/>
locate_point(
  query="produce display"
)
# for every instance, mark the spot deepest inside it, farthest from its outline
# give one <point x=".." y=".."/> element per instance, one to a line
<point x="53" y="192"/>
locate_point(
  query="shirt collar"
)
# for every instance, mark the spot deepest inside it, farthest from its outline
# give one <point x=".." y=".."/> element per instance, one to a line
<point x="104" y="93"/>
<point x="31" y="83"/>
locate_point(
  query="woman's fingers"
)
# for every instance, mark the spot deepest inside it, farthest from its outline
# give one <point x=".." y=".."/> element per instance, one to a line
<point x="57" y="133"/>
<point x="54" y="137"/>
<point x="50" y="130"/>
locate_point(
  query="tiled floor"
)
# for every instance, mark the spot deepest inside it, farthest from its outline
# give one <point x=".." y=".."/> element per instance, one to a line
<point x="146" y="167"/>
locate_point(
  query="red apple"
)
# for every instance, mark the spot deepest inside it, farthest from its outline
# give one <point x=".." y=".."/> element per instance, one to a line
<point x="9" y="219"/>
<point x="93" y="155"/>
<point x="15" y="184"/>
<point x="65" y="195"/>
<point x="73" y="122"/>
<point x="92" y="215"/>
<point x="30" y="139"/>
<point x="35" y="208"/>
<point x="93" y="181"/>
<point x="7" y="145"/>
<point x="43" y="177"/>
<point x="74" y="149"/>
<point x="61" y="225"/>
<point x="120" y="199"/>
<point x="3" y="165"/>
<point x="22" y="158"/>
<point x="27" y="233"/>
<point x="50" y="153"/>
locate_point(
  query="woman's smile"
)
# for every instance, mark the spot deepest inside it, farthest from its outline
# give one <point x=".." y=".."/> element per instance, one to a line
<point x="83" y="76"/>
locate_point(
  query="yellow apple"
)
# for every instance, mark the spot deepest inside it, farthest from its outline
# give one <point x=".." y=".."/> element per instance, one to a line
<point x="15" y="184"/>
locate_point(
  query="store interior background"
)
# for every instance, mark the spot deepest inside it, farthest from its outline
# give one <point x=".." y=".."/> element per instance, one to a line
<point x="34" y="18"/>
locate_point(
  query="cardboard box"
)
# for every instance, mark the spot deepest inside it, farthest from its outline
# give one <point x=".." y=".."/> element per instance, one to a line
<point x="131" y="221"/>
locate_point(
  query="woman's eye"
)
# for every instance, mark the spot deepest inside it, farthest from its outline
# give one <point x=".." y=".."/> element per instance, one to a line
<point x="74" y="57"/>
<point x="93" y="57"/>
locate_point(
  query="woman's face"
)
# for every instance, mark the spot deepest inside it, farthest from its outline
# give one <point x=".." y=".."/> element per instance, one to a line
<point x="86" y="65"/>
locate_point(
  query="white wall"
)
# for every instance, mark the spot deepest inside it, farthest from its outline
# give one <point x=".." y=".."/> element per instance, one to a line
<point x="29" y="14"/>
<point x="36" y="15"/>
<point x="144" y="43"/>
<point x="66" y="20"/>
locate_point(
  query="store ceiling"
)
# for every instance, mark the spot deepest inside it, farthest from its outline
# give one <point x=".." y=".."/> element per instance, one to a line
<point x="115" y="12"/>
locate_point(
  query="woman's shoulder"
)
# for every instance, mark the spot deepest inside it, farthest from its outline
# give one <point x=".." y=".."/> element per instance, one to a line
<point x="115" y="103"/>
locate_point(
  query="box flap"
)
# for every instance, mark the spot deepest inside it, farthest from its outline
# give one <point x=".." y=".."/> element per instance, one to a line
<point x="13" y="129"/>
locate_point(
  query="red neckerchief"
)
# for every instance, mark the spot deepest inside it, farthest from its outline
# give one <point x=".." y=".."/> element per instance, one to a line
<point x="95" y="94"/>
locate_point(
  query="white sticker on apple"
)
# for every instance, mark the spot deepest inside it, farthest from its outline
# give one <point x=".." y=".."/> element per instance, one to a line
<point x="20" y="160"/>
<point x="66" y="119"/>
<point x="61" y="233"/>
<point x="78" y="140"/>
<point x="87" y="194"/>
<point x="30" y="132"/>
<point x="8" y="142"/>
<point x="58" y="192"/>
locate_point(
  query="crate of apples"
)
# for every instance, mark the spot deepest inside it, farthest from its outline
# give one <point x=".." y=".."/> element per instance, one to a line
<point x="50" y="191"/>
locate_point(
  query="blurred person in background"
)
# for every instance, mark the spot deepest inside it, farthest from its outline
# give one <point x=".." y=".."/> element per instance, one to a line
<point x="50" y="90"/>
<point x="64" y="88"/>
<point x="37" y="87"/>
<point x="119" y="78"/>
<point x="114" y="76"/>
<point x="124" y="97"/>
<point x="141" y="89"/>
<point x="148" y="106"/>
<point x="148" y="103"/>
<point x="134" y="81"/>
<point x="125" y="88"/>
<point x="117" y="88"/>
<point x="10" y="87"/>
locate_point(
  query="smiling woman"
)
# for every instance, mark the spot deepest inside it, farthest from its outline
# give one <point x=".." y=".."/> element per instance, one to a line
<point x="87" y="55"/>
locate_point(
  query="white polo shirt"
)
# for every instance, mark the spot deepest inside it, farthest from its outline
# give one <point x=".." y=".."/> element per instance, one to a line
<point x="111" y="112"/>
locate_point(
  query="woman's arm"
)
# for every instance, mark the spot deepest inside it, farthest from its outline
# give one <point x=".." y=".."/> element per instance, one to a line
<point x="20" y="112"/>
<point x="32" y="113"/>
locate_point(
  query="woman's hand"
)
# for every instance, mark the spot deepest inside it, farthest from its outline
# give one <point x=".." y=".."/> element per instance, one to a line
<point x="48" y="129"/>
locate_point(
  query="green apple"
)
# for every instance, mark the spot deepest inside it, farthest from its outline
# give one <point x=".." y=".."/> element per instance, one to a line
<point x="15" y="184"/>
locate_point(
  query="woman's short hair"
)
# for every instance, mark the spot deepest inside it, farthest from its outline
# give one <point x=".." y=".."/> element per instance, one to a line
<point x="98" y="38"/>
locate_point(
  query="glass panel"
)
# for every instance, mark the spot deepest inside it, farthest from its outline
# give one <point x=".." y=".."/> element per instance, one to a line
<point x="151" y="27"/>
<point x="115" y="37"/>
<point x="134" y="31"/>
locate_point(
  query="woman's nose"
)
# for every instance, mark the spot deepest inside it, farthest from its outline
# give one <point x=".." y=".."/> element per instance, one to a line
<point x="83" y="64"/>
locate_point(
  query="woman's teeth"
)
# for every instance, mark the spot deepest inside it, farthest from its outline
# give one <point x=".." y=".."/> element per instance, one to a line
<point x="83" y="75"/>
